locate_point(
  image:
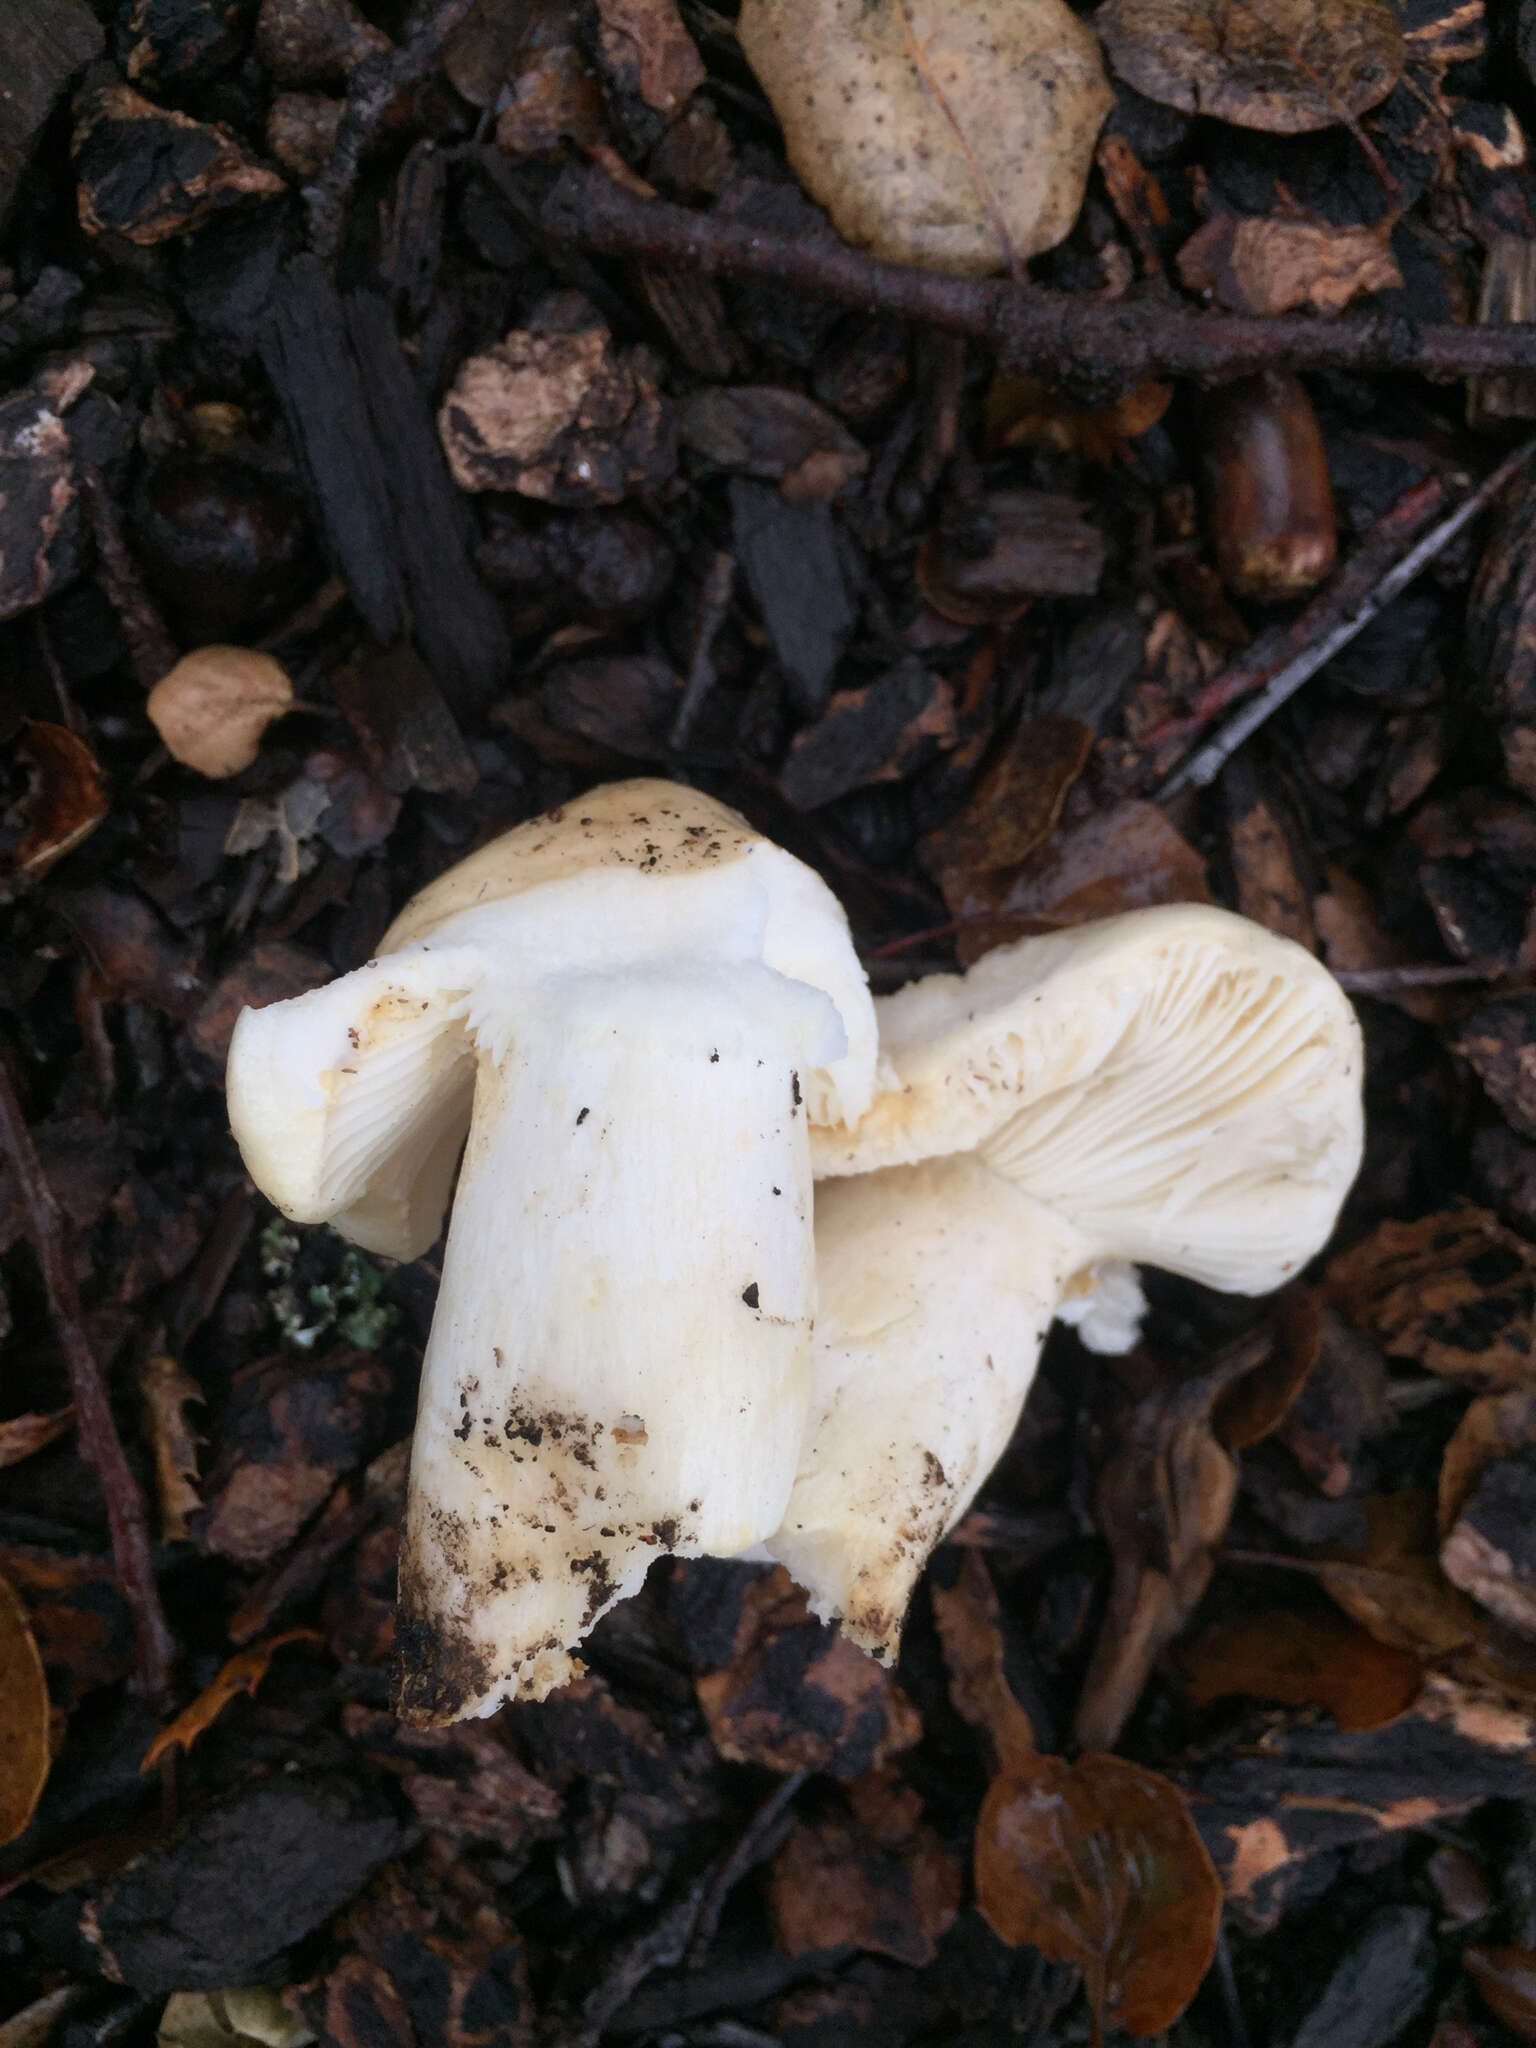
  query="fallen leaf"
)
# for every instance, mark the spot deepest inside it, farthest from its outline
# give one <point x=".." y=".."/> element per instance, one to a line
<point x="1487" y="1490"/>
<point x="1393" y="1584"/>
<point x="213" y="707"/>
<point x="1272" y="265"/>
<point x="904" y="120"/>
<point x="1302" y="1659"/>
<point x="1259" y="1400"/>
<point x="66" y="799"/>
<point x="253" y="2018"/>
<point x="966" y="1616"/>
<point x="1127" y="857"/>
<point x="242" y="1674"/>
<point x="21" y="1435"/>
<point x="1499" y="1042"/>
<point x="1098" y="1863"/>
<point x="1269" y="887"/>
<point x="1454" y="1291"/>
<point x="1285" y="66"/>
<point x="1506" y="1982"/>
<point x="167" y="1390"/>
<point x="1015" y="806"/>
<point x="24" y="1717"/>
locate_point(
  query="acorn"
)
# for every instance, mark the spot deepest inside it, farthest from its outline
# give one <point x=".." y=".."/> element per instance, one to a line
<point x="1269" y="502"/>
<point x="225" y="546"/>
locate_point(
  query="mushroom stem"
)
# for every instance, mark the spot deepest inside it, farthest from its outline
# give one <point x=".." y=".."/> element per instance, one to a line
<point x="620" y="1360"/>
<point x="938" y="1283"/>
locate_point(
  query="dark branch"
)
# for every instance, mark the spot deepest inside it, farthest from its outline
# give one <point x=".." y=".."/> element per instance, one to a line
<point x="97" y="1432"/>
<point x="1093" y="348"/>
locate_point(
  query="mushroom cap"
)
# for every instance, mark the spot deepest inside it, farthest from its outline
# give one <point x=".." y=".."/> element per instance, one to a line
<point x="1179" y="1083"/>
<point x="351" y="1104"/>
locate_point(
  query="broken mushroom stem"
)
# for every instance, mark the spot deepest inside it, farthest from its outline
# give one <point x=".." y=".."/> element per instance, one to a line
<point x="635" y="1006"/>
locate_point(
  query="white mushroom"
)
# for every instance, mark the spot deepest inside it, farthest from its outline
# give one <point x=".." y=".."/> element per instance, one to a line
<point x="1177" y="1086"/>
<point x="634" y="1004"/>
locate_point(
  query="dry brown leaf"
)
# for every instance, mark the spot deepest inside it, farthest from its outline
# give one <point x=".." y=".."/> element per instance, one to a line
<point x="1269" y="888"/>
<point x="1493" y="1426"/>
<point x="242" y="1674"/>
<point x="1303" y="1659"/>
<point x="966" y="1616"/>
<point x="646" y="50"/>
<point x="959" y="137"/>
<point x="1273" y="266"/>
<point x="1124" y="858"/>
<point x="24" y="1718"/>
<point x="1014" y="807"/>
<point x="1393" y="1585"/>
<point x="1285" y="66"/>
<point x="1257" y="1402"/>
<point x="213" y="707"/>
<point x="21" y="1435"/>
<point x="1098" y="1863"/>
<point x="1455" y="1292"/>
<point x="167" y="1390"/>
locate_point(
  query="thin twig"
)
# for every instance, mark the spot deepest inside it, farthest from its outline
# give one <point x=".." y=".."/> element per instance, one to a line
<point x="96" y="1431"/>
<point x="1207" y="763"/>
<point x="1386" y="981"/>
<point x="757" y="1841"/>
<point x="715" y="589"/>
<point x="1094" y="348"/>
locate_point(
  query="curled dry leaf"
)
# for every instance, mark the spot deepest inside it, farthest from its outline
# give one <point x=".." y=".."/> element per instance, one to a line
<point x="167" y="1390"/>
<point x="1303" y="1659"/>
<point x="1272" y="266"/>
<point x="242" y="1674"/>
<point x="21" y="1435"/>
<point x="254" y="2018"/>
<point x="65" y="801"/>
<point x="1284" y="65"/>
<point x="214" y="706"/>
<point x="966" y="1615"/>
<point x="1454" y="1291"/>
<point x="1098" y="1863"/>
<point x="956" y="136"/>
<point x="24" y="1717"/>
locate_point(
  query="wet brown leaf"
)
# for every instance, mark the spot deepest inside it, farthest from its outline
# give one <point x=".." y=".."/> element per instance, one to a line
<point x="1455" y="1292"/>
<point x="1098" y="1863"/>
<point x="1393" y="1585"/>
<point x="1506" y="1982"/>
<point x="167" y="1390"/>
<point x="1286" y="66"/>
<point x="24" y="1717"/>
<point x="873" y="1877"/>
<point x="1272" y="266"/>
<point x="241" y="1674"/>
<point x="966" y="1617"/>
<point x="1269" y="888"/>
<point x="1303" y="1659"/>
<point x="21" y="1435"/>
